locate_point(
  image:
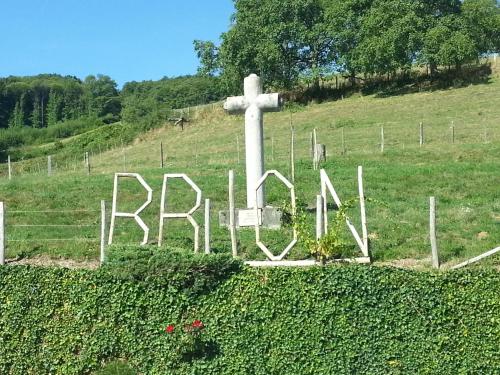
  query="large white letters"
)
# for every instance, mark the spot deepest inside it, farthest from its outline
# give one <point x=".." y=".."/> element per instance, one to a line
<point x="134" y="215"/>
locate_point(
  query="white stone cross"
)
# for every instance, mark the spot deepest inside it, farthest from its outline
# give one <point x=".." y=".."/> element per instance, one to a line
<point x="254" y="103"/>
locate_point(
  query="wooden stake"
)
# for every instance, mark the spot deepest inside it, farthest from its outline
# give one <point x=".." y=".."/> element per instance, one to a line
<point x="452" y="132"/>
<point x="196" y="152"/>
<point x="363" y="211"/>
<point x="87" y="162"/>
<point x="272" y="148"/>
<point x="2" y="234"/>
<point x="315" y="150"/>
<point x="232" y="225"/>
<point x="477" y="259"/>
<point x="343" y="143"/>
<point x="103" y="231"/>
<point x="161" y="155"/>
<point x="421" y="134"/>
<point x="238" y="148"/>
<point x="10" y="167"/>
<point x="432" y="232"/>
<point x="320" y="225"/>
<point x="382" y="140"/>
<point x="49" y="165"/>
<point x="292" y="153"/>
<point x="207" y="226"/>
<point x="311" y="141"/>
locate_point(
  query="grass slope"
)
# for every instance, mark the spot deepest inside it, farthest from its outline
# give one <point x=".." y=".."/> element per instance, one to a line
<point x="464" y="176"/>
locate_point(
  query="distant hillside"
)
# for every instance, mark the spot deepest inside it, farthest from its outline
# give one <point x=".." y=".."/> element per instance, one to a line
<point x="458" y="164"/>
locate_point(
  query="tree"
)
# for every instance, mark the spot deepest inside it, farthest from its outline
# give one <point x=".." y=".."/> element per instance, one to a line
<point x="275" y="39"/>
<point x="345" y="19"/>
<point x="482" y="21"/>
<point x="391" y="36"/>
<point x="36" y="116"/>
<point x="101" y="96"/>
<point x="449" y="44"/>
<point x="207" y="53"/>
<point x="53" y="108"/>
<point x="17" y="117"/>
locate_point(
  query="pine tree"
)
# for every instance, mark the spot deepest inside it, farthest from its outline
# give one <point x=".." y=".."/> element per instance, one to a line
<point x="17" y="117"/>
<point x="36" y="116"/>
<point x="53" y="108"/>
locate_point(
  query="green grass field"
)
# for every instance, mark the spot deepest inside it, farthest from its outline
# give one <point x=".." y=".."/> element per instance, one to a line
<point x="464" y="176"/>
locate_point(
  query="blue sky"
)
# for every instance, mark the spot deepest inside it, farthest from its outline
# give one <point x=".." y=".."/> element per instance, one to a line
<point x="125" y="39"/>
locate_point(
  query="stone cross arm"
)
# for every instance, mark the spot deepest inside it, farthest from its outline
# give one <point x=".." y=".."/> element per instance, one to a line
<point x="253" y="96"/>
<point x="265" y="102"/>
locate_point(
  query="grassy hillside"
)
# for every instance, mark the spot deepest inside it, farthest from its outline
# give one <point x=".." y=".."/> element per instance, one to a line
<point x="464" y="175"/>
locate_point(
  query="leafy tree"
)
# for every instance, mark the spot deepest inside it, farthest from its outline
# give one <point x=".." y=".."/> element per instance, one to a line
<point x="482" y="21"/>
<point x="278" y="40"/>
<point x="345" y="19"/>
<point x="207" y="53"/>
<point x="155" y="99"/>
<point x="101" y="96"/>
<point x="53" y="108"/>
<point x="390" y="38"/>
<point x="449" y="44"/>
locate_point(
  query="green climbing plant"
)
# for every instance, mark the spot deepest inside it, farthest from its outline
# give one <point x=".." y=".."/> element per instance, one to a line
<point x="333" y="244"/>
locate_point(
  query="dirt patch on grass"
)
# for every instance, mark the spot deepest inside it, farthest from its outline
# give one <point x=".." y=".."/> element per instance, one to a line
<point x="409" y="263"/>
<point x="46" y="261"/>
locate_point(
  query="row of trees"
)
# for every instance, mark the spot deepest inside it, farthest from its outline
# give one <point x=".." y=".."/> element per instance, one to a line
<point x="152" y="101"/>
<point x="286" y="40"/>
<point x="283" y="41"/>
<point x="44" y="100"/>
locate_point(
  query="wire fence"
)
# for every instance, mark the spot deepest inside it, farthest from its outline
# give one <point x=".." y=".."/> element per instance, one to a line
<point x="339" y="139"/>
<point x="26" y="232"/>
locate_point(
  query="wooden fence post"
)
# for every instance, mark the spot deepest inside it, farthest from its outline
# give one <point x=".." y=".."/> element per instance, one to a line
<point x="363" y="209"/>
<point x="49" y="165"/>
<point x="87" y="162"/>
<point x="103" y="232"/>
<point x="207" y="226"/>
<point x="232" y="225"/>
<point x="320" y="225"/>
<point x="124" y="157"/>
<point x="238" y="148"/>
<point x="2" y="233"/>
<point x="196" y="152"/>
<point x="315" y="149"/>
<point x="421" y="134"/>
<point x="432" y="232"/>
<point x="452" y="132"/>
<point x="343" y="143"/>
<point x="272" y="148"/>
<point x="161" y="155"/>
<point x="382" y="140"/>
<point x="292" y="153"/>
<point x="10" y="167"/>
<point x="311" y="144"/>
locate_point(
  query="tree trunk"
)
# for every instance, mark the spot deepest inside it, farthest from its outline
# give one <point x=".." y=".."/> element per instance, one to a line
<point x="433" y="69"/>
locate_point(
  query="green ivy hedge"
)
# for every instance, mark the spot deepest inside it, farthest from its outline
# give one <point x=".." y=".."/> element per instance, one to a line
<point x="330" y="320"/>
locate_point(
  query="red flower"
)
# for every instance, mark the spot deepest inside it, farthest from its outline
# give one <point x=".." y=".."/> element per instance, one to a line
<point x="170" y="328"/>
<point x="197" y="324"/>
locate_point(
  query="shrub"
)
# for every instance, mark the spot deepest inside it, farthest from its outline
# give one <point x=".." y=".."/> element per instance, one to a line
<point x="321" y="320"/>
<point x="177" y="269"/>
